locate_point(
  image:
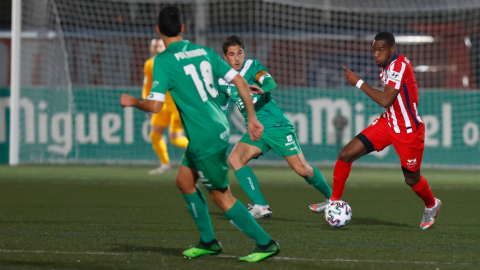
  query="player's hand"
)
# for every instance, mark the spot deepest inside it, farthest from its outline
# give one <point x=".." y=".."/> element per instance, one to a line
<point x="255" y="129"/>
<point x="256" y="90"/>
<point x="127" y="100"/>
<point x="351" y="77"/>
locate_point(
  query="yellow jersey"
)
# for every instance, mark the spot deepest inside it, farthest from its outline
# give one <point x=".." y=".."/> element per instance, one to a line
<point x="147" y="86"/>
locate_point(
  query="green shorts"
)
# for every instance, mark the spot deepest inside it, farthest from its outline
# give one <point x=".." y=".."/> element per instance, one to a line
<point x="283" y="142"/>
<point x="212" y="171"/>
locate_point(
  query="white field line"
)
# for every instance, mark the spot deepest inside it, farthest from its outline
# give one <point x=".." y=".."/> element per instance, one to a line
<point x="60" y="252"/>
<point x="274" y="258"/>
<point x="234" y="257"/>
<point x="351" y="260"/>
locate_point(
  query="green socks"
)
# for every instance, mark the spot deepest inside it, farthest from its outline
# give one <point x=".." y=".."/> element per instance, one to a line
<point x="240" y="217"/>
<point x="319" y="183"/>
<point x="197" y="205"/>
<point x="249" y="183"/>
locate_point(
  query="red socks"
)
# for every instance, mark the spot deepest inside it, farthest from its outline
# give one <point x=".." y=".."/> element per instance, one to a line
<point x="423" y="191"/>
<point x="340" y="175"/>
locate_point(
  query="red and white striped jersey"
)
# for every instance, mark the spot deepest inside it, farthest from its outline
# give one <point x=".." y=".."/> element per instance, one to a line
<point x="402" y="115"/>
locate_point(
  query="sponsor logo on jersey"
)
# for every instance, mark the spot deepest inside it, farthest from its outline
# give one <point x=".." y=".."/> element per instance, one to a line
<point x="150" y="96"/>
<point x="394" y="76"/>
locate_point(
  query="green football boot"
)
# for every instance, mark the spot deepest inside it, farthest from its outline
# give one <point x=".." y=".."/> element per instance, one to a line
<point x="202" y="248"/>
<point x="262" y="252"/>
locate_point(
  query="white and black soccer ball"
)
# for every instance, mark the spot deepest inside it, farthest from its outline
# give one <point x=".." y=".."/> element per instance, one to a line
<point x="338" y="214"/>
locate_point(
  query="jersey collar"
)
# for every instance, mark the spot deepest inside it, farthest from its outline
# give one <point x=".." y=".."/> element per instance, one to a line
<point x="178" y="43"/>
<point x="395" y="57"/>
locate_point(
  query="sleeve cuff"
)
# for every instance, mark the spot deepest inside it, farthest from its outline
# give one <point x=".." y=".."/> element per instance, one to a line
<point x="156" y="96"/>
<point x="230" y="75"/>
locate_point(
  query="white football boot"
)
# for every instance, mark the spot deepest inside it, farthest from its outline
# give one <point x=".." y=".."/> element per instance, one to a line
<point x="260" y="211"/>
<point x="164" y="168"/>
<point x="429" y="215"/>
<point x="319" y="207"/>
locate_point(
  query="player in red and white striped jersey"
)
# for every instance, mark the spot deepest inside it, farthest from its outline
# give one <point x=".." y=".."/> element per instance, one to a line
<point x="400" y="125"/>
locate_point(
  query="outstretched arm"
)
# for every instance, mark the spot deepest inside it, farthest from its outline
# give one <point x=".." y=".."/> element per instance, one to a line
<point x="384" y="99"/>
<point x="152" y="106"/>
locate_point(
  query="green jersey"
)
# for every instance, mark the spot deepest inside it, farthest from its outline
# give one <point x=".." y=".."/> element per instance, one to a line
<point x="267" y="110"/>
<point x="190" y="72"/>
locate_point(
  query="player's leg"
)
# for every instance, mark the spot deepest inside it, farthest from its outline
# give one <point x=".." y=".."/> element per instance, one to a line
<point x="213" y="172"/>
<point x="197" y="206"/>
<point x="409" y="148"/>
<point x="373" y="138"/>
<point x="244" y="151"/>
<point x="176" y="135"/>
<point x="313" y="176"/>
<point x="159" y="123"/>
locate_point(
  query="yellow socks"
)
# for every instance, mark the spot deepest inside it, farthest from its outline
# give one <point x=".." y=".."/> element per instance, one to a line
<point x="160" y="147"/>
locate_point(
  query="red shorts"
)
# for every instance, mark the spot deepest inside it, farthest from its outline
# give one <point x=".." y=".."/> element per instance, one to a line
<point x="409" y="146"/>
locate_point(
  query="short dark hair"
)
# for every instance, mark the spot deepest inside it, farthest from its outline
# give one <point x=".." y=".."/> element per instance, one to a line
<point x="170" y="21"/>
<point x="388" y="37"/>
<point x="232" y="41"/>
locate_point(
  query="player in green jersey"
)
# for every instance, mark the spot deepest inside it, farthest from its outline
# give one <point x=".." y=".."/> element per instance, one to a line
<point x="190" y="72"/>
<point x="279" y="133"/>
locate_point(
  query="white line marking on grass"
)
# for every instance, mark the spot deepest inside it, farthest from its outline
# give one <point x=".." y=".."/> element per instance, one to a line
<point x="390" y="261"/>
<point x="60" y="252"/>
<point x="351" y="260"/>
<point x="274" y="258"/>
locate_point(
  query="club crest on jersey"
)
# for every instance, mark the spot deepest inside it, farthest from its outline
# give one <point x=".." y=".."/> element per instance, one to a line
<point x="411" y="162"/>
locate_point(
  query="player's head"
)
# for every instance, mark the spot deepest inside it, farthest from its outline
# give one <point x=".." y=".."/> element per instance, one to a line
<point x="157" y="46"/>
<point x="170" y="22"/>
<point x="383" y="48"/>
<point x="233" y="52"/>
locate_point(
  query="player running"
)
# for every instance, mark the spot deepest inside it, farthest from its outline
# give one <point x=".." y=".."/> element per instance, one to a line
<point x="400" y="125"/>
<point x="190" y="73"/>
<point x="279" y="133"/>
<point x="168" y="115"/>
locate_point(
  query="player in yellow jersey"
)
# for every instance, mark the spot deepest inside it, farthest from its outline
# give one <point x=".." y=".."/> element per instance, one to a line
<point x="168" y="115"/>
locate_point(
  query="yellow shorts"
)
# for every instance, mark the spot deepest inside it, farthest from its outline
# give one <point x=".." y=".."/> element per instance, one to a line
<point x="168" y="116"/>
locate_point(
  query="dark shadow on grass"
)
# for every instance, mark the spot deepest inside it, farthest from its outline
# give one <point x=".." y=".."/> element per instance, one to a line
<point x="217" y="214"/>
<point x="165" y="251"/>
<point x="373" y="221"/>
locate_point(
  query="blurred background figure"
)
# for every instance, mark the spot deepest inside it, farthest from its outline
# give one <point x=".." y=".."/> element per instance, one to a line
<point x="167" y="116"/>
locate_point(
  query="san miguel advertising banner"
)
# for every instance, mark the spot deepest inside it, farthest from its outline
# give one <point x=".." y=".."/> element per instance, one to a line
<point x="87" y="125"/>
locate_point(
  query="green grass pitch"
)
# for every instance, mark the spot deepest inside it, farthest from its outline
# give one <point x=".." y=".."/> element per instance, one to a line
<point x="119" y="217"/>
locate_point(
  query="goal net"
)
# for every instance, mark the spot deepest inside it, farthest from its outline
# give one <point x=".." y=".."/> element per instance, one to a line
<point x="78" y="57"/>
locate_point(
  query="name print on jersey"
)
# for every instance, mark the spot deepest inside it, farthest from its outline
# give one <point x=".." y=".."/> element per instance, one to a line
<point x="190" y="54"/>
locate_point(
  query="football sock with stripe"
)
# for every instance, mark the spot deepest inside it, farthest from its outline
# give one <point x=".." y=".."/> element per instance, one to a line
<point x="319" y="183"/>
<point x="160" y="147"/>
<point x="249" y="183"/>
<point x="181" y="142"/>
<point x="340" y="175"/>
<point x="240" y="217"/>
<point x="197" y="205"/>
<point x="423" y="191"/>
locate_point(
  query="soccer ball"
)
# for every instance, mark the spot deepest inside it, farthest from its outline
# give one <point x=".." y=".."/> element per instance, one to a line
<point x="338" y="214"/>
